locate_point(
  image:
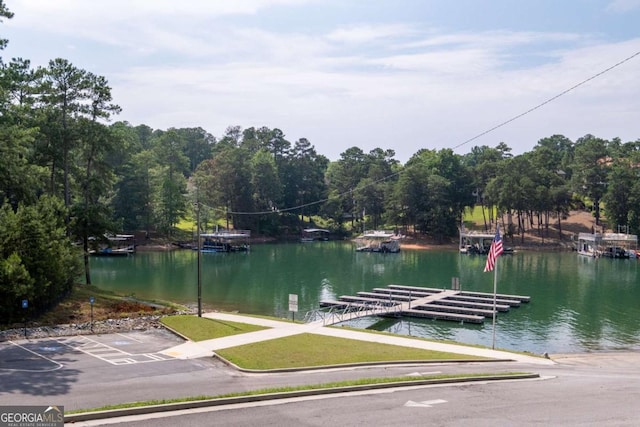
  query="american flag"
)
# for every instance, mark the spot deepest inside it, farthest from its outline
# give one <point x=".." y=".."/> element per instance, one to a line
<point x="494" y="251"/>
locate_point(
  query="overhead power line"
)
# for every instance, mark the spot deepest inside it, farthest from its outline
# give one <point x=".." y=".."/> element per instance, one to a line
<point x="498" y="126"/>
<point x="542" y="104"/>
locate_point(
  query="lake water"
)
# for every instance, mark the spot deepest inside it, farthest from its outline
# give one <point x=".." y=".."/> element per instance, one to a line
<point x="577" y="304"/>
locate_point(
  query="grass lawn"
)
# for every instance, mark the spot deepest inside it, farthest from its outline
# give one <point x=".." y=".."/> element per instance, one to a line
<point x="201" y="328"/>
<point x="311" y="387"/>
<point x="296" y="351"/>
<point x="474" y="217"/>
<point x="308" y="350"/>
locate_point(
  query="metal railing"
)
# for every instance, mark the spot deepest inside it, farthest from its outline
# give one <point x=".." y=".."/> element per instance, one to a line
<point x="337" y="314"/>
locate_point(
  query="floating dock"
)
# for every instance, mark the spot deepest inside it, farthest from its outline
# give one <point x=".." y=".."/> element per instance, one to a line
<point x="430" y="303"/>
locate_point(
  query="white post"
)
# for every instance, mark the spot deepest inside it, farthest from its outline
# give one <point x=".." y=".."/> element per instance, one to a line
<point x="199" y="259"/>
<point x="495" y="288"/>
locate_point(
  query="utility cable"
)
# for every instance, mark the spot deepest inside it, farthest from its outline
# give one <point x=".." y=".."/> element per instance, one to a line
<point x="498" y="126"/>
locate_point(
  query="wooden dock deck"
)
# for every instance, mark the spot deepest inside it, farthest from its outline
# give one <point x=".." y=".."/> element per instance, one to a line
<point x="431" y="303"/>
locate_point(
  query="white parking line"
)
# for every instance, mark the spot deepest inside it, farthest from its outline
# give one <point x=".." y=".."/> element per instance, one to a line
<point x="126" y="361"/>
<point x="154" y="356"/>
<point x="109" y="354"/>
<point x="57" y="364"/>
<point x="129" y="337"/>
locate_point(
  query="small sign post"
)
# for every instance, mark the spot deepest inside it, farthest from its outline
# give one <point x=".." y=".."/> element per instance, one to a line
<point x="91" y="301"/>
<point x="293" y="305"/>
<point x="25" y="305"/>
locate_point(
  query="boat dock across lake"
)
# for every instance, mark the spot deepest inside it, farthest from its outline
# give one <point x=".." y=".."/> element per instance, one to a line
<point x="414" y="301"/>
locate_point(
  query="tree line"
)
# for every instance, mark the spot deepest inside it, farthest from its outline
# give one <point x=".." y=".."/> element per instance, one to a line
<point x="71" y="175"/>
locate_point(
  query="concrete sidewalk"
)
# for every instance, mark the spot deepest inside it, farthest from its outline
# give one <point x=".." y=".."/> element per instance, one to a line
<point x="278" y="329"/>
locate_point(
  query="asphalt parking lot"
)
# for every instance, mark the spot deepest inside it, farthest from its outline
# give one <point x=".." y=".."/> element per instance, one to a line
<point x="43" y="355"/>
<point x="92" y="370"/>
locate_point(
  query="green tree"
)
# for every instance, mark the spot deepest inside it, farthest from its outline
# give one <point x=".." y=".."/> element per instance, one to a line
<point x="91" y="214"/>
<point x="64" y="100"/>
<point x="621" y="198"/>
<point x="197" y="145"/>
<point x="590" y="170"/>
<point x="412" y="192"/>
<point x="127" y="139"/>
<point x="618" y="198"/>
<point x="376" y="185"/>
<point x="39" y="261"/>
<point x="254" y="140"/>
<point x="460" y="188"/>
<point x="343" y="178"/>
<point x="267" y="190"/>
<point x="232" y="138"/>
<point x="137" y="183"/>
<point x="559" y="153"/>
<point x="434" y="188"/>
<point x="513" y="191"/>
<point x="278" y="146"/>
<point x="484" y="163"/>
<point x="145" y="136"/>
<point x="4" y="13"/>
<point x="15" y="285"/>
<point x="224" y="183"/>
<point x="19" y="178"/>
<point x="439" y="220"/>
<point x="303" y="172"/>
<point x="549" y="160"/>
<point x="19" y="92"/>
<point x="171" y="170"/>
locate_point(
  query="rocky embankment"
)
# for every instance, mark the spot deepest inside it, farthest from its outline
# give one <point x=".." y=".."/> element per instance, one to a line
<point x="108" y="326"/>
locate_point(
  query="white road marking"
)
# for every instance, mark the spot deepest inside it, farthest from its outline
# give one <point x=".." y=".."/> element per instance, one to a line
<point x="57" y="364"/>
<point x="107" y="353"/>
<point x="125" y="361"/>
<point x="154" y="356"/>
<point x="424" y="403"/>
<point x="129" y="337"/>
<point x="422" y="374"/>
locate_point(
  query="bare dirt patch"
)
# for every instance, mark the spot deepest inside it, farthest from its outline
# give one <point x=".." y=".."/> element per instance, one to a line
<point x="557" y="236"/>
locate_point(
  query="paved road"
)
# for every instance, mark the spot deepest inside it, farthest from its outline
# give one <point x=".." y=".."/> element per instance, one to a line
<point x="91" y="371"/>
<point x="579" y="391"/>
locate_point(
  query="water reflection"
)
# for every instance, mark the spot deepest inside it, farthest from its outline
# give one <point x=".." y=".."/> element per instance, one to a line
<point x="577" y="303"/>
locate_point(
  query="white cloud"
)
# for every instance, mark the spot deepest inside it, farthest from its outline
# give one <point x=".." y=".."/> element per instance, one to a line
<point x="392" y="84"/>
<point x="621" y="6"/>
<point x="464" y="62"/>
<point x="114" y="10"/>
<point x="143" y="25"/>
<point x="359" y="34"/>
<point x="489" y="39"/>
<point x="408" y="110"/>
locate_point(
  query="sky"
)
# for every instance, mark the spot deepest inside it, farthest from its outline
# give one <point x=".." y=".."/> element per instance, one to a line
<point x="403" y="75"/>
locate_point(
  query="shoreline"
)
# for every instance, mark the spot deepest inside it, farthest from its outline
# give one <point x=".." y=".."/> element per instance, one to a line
<point x="539" y="238"/>
<point x="551" y="245"/>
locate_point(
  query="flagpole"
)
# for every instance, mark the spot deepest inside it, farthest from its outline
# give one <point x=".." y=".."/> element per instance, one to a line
<point x="492" y="264"/>
<point x="495" y="288"/>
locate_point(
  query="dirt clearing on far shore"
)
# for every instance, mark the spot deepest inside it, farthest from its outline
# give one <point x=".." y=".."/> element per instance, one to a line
<point x="575" y="223"/>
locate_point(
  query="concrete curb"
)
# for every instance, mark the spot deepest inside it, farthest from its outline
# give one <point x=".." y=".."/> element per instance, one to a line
<point x="174" y="332"/>
<point x="354" y="365"/>
<point x="99" y="415"/>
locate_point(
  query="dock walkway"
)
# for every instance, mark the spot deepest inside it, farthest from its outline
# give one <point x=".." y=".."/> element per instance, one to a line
<point x="279" y="329"/>
<point x="414" y="301"/>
